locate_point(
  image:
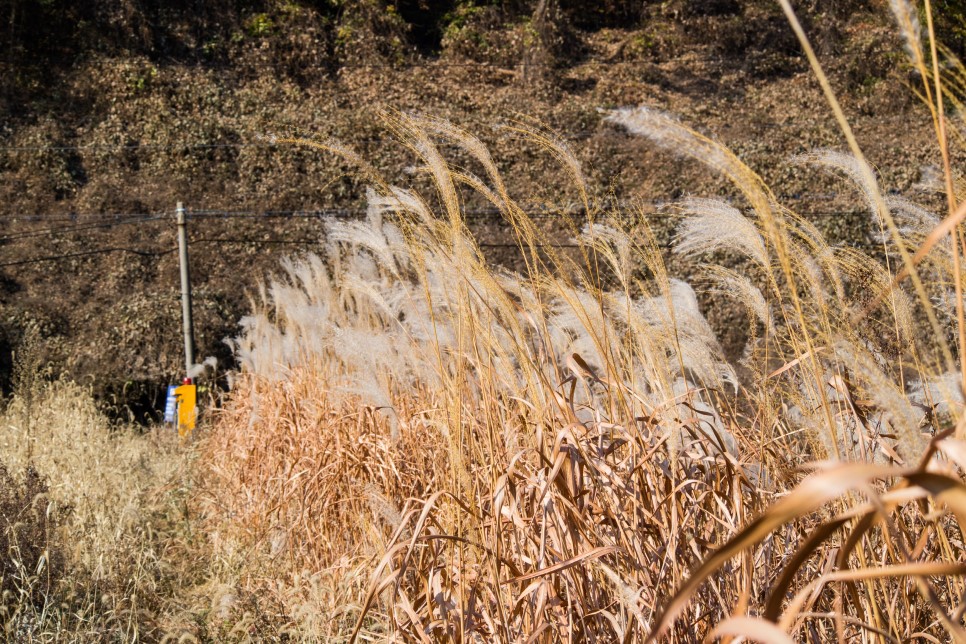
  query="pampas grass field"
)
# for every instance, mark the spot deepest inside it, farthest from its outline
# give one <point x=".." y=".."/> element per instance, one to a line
<point x="422" y="446"/>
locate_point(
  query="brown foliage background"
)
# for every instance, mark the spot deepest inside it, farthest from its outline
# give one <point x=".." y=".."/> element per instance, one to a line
<point x="119" y="107"/>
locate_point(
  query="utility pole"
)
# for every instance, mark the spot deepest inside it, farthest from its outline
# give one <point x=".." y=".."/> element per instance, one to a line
<point x="189" y="334"/>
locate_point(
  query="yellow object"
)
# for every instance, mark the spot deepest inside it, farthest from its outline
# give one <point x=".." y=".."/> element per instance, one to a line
<point x="187" y="409"/>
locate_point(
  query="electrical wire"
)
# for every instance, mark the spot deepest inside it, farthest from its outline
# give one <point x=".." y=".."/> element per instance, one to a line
<point x="255" y="242"/>
<point x="130" y="147"/>
<point x="276" y="214"/>
<point x="289" y="242"/>
<point x="68" y="229"/>
<point x="344" y="213"/>
<point x="472" y="215"/>
<point x="419" y="64"/>
<point x="120" y="219"/>
<point x="98" y="251"/>
<point x="74" y="217"/>
<point x="534" y="211"/>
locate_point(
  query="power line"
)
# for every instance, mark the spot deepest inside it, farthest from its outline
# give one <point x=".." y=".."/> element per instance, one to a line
<point x="99" y="251"/>
<point x="138" y="147"/>
<point x="110" y="220"/>
<point x="428" y="64"/>
<point x="302" y="242"/>
<point x="130" y="147"/>
<point x="317" y="242"/>
<point x="608" y="210"/>
<point x="471" y="214"/>
<point x="79" y="216"/>
<point x="67" y="229"/>
<point x="346" y="213"/>
<point x="276" y="214"/>
<point x="256" y="242"/>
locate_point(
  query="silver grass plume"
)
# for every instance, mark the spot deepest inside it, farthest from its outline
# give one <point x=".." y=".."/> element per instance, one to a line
<point x="402" y="200"/>
<point x="367" y="235"/>
<point x="693" y="404"/>
<point x="419" y="142"/>
<point x="383" y="508"/>
<point x="945" y="302"/>
<point x="649" y="348"/>
<point x="874" y="277"/>
<point x="812" y="272"/>
<point x="677" y="315"/>
<point x="679" y="139"/>
<point x="669" y="133"/>
<point x="881" y="389"/>
<point x="853" y="169"/>
<point x="373" y="291"/>
<point x="577" y="323"/>
<point x="914" y="219"/>
<point x="714" y="224"/>
<point x="817" y="248"/>
<point x="374" y="394"/>
<point x="629" y="596"/>
<point x="613" y="244"/>
<point x="474" y="147"/>
<point x="732" y="283"/>
<point x="908" y="20"/>
<point x="931" y="178"/>
<point x="557" y="147"/>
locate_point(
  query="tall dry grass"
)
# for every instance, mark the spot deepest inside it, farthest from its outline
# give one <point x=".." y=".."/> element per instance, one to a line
<point x="422" y="446"/>
<point x="89" y="520"/>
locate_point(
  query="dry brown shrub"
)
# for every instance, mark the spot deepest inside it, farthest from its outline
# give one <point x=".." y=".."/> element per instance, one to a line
<point x="309" y="486"/>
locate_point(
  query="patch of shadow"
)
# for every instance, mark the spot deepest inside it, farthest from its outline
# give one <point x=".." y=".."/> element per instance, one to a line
<point x="8" y="285"/>
<point x="577" y="85"/>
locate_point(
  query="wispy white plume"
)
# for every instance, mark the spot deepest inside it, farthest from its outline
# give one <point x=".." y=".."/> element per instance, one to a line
<point x="930" y="180"/>
<point x="945" y="301"/>
<point x="731" y="282"/>
<point x="713" y="224"/>
<point x="558" y="147"/>
<point x="853" y="169"/>
<point x="383" y="508"/>
<point x="908" y="20"/>
<point x="669" y="133"/>
<point x="678" y="315"/>
<point x="363" y="235"/>
<point x="613" y="244"/>
<point x="711" y="430"/>
<point x="913" y="219"/>
<point x="402" y="200"/>
<point x="881" y="389"/>
<point x="196" y="370"/>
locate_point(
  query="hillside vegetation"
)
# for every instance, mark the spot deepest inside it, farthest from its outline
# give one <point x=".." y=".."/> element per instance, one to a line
<point x="127" y="108"/>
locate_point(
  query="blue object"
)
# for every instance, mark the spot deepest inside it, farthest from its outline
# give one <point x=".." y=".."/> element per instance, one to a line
<point x="171" y="405"/>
